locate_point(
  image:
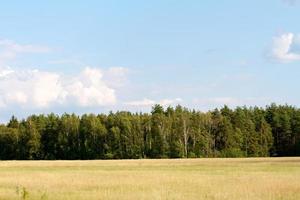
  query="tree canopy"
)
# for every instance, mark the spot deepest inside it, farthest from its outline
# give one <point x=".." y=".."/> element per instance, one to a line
<point x="164" y="133"/>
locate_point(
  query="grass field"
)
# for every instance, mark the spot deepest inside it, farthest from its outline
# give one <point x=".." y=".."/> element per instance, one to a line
<point x="248" y="178"/>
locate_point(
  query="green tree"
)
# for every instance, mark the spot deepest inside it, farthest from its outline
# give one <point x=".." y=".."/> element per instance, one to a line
<point x="29" y="140"/>
<point x="9" y="138"/>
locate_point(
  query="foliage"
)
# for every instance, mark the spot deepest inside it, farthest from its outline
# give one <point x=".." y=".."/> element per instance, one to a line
<point x="164" y="133"/>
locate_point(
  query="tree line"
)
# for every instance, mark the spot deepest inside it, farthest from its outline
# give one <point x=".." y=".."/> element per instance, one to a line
<point x="164" y="133"/>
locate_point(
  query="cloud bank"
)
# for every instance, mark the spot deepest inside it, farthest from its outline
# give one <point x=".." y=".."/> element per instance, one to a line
<point x="41" y="89"/>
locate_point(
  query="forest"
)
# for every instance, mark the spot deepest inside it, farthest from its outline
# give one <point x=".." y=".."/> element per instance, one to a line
<point x="174" y="132"/>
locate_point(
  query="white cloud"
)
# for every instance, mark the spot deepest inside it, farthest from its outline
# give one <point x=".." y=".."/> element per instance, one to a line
<point x="286" y="48"/>
<point x="148" y="102"/>
<point x="167" y="102"/>
<point x="17" y="96"/>
<point x="144" y="102"/>
<point x="10" y="49"/>
<point x="6" y="71"/>
<point x="116" y="76"/>
<point x="46" y="88"/>
<point x="34" y="88"/>
<point x="89" y="89"/>
<point x="24" y="87"/>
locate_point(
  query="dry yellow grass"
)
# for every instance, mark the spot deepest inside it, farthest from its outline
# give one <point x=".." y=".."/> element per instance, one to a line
<point x="248" y="178"/>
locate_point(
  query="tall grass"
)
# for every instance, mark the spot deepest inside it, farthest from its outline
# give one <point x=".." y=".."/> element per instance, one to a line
<point x="247" y="178"/>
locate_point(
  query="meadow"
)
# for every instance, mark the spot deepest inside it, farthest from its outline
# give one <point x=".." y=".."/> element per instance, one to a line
<point x="236" y="178"/>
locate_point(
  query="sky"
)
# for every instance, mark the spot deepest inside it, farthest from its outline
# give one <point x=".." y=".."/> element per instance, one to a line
<point x="94" y="56"/>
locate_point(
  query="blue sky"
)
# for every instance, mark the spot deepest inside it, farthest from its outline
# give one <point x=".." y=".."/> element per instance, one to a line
<point x="96" y="56"/>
